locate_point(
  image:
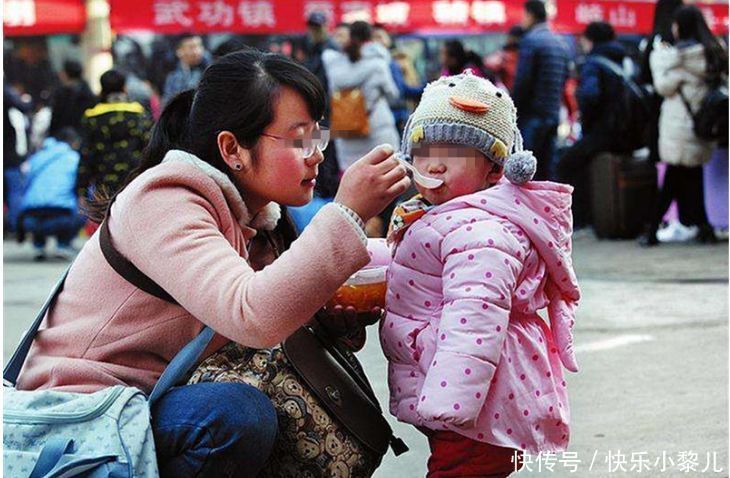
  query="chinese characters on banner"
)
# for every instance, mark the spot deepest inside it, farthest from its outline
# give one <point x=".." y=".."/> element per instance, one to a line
<point x="272" y="16"/>
<point x="43" y="17"/>
<point x="627" y="17"/>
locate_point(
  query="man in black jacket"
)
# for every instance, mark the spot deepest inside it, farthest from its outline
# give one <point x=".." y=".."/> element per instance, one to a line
<point x="71" y="99"/>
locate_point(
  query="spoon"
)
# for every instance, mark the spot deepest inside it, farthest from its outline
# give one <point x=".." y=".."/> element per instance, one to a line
<point x="425" y="181"/>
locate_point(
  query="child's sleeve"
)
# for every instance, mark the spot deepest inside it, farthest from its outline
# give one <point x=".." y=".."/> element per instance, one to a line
<point x="379" y="253"/>
<point x="481" y="264"/>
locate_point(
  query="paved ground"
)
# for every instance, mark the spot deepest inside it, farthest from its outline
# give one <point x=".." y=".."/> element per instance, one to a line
<point x="652" y="335"/>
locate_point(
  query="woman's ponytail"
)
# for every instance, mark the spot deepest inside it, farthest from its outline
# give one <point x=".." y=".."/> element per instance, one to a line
<point x="170" y="131"/>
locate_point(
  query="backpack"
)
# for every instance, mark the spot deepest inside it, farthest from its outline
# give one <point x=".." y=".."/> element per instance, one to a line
<point x="105" y="434"/>
<point x="710" y="122"/>
<point x="349" y="115"/>
<point x="632" y="116"/>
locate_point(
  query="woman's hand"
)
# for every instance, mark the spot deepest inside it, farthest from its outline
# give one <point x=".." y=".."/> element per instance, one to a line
<point x="373" y="182"/>
<point x="347" y="325"/>
<point x="341" y="321"/>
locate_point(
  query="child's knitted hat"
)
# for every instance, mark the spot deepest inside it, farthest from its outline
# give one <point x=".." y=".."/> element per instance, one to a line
<point x="470" y="111"/>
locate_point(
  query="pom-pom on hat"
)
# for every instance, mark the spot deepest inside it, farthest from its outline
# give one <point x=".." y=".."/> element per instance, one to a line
<point x="470" y="111"/>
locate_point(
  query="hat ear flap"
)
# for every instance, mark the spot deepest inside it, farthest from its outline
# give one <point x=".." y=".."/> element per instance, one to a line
<point x="520" y="167"/>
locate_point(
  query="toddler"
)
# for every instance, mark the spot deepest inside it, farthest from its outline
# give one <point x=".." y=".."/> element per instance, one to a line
<point x="470" y="362"/>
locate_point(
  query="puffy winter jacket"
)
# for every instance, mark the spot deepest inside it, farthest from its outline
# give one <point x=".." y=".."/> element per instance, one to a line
<point x="680" y="68"/>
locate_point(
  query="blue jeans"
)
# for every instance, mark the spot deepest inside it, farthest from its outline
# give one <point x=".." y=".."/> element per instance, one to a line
<point x="14" y="186"/>
<point x="65" y="226"/>
<point x="539" y="135"/>
<point x="213" y="430"/>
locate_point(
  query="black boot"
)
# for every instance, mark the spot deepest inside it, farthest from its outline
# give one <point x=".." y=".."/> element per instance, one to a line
<point x="706" y="235"/>
<point x="649" y="239"/>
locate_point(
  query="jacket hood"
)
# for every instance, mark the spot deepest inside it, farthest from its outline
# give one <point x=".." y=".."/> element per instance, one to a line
<point x="375" y="50"/>
<point x="612" y="50"/>
<point x="692" y="57"/>
<point x="342" y="73"/>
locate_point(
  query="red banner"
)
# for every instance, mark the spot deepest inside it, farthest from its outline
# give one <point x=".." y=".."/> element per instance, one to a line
<point x="626" y="16"/>
<point x="43" y="17"/>
<point x="270" y="16"/>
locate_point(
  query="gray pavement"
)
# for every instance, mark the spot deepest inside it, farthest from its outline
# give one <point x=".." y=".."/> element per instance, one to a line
<point x="652" y="343"/>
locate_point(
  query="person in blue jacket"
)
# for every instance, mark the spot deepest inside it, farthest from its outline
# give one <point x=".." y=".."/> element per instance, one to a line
<point x="49" y="207"/>
<point x="542" y="69"/>
<point x="598" y="94"/>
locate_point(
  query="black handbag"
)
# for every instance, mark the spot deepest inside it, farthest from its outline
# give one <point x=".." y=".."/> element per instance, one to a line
<point x="331" y="371"/>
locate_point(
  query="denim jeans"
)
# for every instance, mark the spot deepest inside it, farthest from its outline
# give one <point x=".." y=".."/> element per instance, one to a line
<point x="14" y="186"/>
<point x="63" y="225"/>
<point x="213" y="430"/>
<point x="539" y="135"/>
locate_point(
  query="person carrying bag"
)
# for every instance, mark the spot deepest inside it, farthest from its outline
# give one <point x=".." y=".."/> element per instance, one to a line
<point x="221" y="161"/>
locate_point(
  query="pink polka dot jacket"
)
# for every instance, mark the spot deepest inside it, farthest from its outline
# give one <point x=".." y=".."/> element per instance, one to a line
<point x="466" y="349"/>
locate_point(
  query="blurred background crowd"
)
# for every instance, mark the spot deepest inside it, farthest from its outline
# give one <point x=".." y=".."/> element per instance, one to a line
<point x="614" y="110"/>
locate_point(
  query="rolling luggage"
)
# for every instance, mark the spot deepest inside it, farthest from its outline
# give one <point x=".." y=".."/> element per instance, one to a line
<point x="623" y="194"/>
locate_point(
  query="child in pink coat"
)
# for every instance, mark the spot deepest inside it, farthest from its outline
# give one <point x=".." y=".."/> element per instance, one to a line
<point x="470" y="361"/>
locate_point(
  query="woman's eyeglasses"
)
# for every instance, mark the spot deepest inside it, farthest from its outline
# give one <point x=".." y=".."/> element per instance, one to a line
<point x="318" y="140"/>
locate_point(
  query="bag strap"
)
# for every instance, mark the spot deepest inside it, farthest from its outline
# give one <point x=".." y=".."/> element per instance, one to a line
<point x="686" y="102"/>
<point x="12" y="369"/>
<point x="616" y="69"/>
<point x="50" y="455"/>
<point x="126" y="269"/>
<point x="178" y="366"/>
<point x="186" y="358"/>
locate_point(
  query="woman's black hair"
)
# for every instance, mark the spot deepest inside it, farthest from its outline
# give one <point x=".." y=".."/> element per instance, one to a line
<point x="360" y="33"/>
<point x="463" y="58"/>
<point x="237" y="93"/>
<point x="691" y="25"/>
<point x="664" y="17"/>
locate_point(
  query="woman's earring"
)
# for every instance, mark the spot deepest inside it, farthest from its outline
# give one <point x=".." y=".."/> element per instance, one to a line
<point x="238" y="166"/>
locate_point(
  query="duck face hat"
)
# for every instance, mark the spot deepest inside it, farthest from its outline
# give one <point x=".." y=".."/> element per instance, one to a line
<point x="470" y="111"/>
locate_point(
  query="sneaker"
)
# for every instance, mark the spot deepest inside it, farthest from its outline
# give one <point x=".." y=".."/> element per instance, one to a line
<point x="67" y="253"/>
<point x="675" y="231"/>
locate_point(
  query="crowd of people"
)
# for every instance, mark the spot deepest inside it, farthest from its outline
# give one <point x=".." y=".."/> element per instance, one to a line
<point x="198" y="280"/>
<point x="361" y="60"/>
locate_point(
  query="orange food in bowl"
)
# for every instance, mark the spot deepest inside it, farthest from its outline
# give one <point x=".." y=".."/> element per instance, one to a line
<point x="362" y="297"/>
<point x="363" y="291"/>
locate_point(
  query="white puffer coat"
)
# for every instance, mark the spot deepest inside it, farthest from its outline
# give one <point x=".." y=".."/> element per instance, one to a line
<point x="686" y="68"/>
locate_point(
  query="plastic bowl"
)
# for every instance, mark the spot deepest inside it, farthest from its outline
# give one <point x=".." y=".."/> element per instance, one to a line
<point x="364" y="290"/>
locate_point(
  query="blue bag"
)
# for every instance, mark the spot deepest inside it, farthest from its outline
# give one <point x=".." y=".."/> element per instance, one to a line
<point x="103" y="434"/>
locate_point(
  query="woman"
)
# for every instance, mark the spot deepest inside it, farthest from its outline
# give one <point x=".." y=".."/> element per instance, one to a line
<point x="455" y="59"/>
<point x="364" y="64"/>
<point x="680" y="72"/>
<point x="220" y="161"/>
